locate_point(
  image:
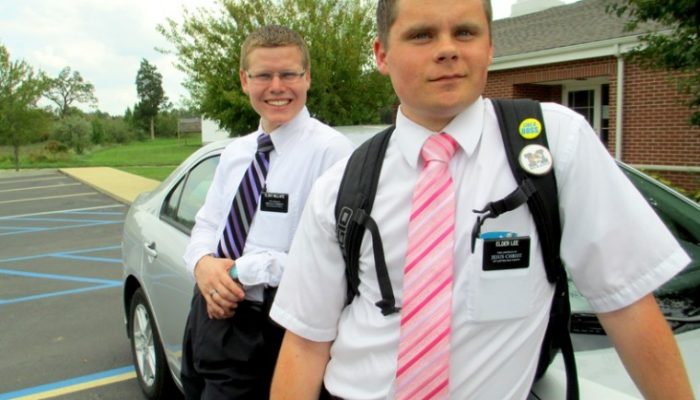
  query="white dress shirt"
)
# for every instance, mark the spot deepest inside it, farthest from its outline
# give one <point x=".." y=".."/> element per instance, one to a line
<point x="615" y="247"/>
<point x="303" y="149"/>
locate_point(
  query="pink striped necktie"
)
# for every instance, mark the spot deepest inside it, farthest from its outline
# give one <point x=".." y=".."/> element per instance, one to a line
<point x="423" y="369"/>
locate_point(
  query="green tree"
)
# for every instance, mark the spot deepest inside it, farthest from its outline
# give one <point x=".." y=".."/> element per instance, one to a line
<point x="152" y="99"/>
<point x="21" y="121"/>
<point x="69" y="88"/>
<point x="97" y="120"/>
<point x="345" y="87"/>
<point x="98" y="129"/>
<point x="675" y="48"/>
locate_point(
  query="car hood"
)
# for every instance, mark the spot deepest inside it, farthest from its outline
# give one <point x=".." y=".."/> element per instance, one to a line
<point x="602" y="375"/>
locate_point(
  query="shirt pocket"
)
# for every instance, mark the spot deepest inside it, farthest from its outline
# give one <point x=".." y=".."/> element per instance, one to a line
<point x="500" y="294"/>
<point x="274" y="230"/>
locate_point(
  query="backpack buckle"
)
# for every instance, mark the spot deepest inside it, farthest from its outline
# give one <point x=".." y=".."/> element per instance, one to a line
<point x="342" y="225"/>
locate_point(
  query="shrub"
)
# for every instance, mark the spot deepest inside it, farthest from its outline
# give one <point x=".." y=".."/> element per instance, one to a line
<point x="37" y="156"/>
<point x="74" y="131"/>
<point x="695" y="196"/>
<point x="54" y="146"/>
<point x="166" y="125"/>
<point x="116" y="130"/>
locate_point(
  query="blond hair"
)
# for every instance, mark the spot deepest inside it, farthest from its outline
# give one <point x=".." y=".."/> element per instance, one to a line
<point x="270" y="36"/>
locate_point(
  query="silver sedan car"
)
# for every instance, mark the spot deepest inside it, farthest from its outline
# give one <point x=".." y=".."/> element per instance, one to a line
<point x="158" y="289"/>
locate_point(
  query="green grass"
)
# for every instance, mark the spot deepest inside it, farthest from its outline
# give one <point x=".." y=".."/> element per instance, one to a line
<point x="152" y="159"/>
<point x="160" y="152"/>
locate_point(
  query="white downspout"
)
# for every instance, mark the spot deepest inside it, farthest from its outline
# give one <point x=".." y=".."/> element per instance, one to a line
<point x="619" y="102"/>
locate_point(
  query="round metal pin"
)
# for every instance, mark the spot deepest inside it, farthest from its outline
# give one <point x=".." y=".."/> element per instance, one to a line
<point x="535" y="159"/>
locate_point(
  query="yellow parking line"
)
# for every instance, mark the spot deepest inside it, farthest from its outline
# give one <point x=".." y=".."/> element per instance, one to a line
<point x="80" y="386"/>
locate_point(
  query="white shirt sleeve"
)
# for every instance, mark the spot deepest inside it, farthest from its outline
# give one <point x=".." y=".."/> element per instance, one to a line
<point x="613" y="243"/>
<point x="206" y="231"/>
<point x="263" y="267"/>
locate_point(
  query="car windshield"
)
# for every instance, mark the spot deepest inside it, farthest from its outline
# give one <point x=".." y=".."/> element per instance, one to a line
<point x="679" y="298"/>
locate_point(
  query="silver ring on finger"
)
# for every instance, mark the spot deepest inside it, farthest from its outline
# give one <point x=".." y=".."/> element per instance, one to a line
<point x="212" y="292"/>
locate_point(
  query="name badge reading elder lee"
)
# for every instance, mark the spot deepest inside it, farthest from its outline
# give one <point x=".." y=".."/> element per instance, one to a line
<point x="274" y="202"/>
<point x="508" y="253"/>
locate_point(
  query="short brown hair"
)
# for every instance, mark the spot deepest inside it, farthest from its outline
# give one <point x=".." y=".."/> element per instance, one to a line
<point x="270" y="36"/>
<point x="386" y="15"/>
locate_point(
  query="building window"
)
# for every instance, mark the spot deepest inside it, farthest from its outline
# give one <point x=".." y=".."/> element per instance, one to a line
<point x="590" y="98"/>
<point x="583" y="102"/>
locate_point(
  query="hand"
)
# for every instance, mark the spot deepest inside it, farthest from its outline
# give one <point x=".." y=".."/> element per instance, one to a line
<point x="220" y="291"/>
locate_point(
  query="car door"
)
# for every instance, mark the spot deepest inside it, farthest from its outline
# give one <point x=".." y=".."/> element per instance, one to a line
<point x="166" y="237"/>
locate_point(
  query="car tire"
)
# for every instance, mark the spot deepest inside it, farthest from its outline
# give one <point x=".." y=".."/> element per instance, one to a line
<point x="149" y="358"/>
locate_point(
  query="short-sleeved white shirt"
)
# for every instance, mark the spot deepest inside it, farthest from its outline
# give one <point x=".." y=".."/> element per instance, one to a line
<point x="304" y="148"/>
<point x="615" y="247"/>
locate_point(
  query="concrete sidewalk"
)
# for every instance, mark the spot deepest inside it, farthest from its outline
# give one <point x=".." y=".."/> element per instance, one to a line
<point x="117" y="184"/>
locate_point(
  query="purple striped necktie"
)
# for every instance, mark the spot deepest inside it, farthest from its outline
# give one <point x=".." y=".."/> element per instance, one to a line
<point x="245" y="202"/>
<point x="423" y="368"/>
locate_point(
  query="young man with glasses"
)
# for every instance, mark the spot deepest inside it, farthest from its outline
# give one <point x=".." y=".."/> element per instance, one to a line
<point x="238" y="249"/>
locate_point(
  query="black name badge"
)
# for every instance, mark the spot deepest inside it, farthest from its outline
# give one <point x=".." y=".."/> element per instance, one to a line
<point x="507" y="253"/>
<point x="274" y="202"/>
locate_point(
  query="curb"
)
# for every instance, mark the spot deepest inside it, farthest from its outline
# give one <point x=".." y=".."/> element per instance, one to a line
<point x="120" y="185"/>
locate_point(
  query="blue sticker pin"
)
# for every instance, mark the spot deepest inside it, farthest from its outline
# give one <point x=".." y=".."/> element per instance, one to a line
<point x="530" y="128"/>
<point x="498" y="235"/>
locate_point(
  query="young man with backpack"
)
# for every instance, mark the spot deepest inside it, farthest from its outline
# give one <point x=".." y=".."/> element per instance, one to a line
<point x="471" y="295"/>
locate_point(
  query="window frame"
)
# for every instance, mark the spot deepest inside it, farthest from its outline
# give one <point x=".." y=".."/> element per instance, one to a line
<point x="180" y="185"/>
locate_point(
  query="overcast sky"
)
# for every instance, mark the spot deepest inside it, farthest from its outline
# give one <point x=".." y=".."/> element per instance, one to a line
<point x="105" y="41"/>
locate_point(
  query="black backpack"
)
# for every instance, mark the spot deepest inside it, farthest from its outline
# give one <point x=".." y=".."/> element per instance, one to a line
<point x="356" y="197"/>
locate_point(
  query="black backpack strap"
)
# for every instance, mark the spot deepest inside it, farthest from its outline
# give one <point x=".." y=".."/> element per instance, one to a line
<point x="558" y="336"/>
<point x="543" y="202"/>
<point x="352" y="212"/>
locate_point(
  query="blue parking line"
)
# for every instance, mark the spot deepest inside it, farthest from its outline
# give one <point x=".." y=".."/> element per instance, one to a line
<point x="74" y="210"/>
<point x="95" y="283"/>
<point x="18" y="228"/>
<point x="65" y="383"/>
<point x="93" y="213"/>
<point x="99" y="284"/>
<point x="59" y="293"/>
<point x="92" y="250"/>
<point x="69" y="278"/>
<point x="84" y="258"/>
<point x="57" y="228"/>
<point x="61" y="254"/>
<point x="36" y="219"/>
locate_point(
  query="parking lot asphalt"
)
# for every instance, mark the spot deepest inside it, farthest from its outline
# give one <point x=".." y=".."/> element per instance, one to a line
<point x="63" y="333"/>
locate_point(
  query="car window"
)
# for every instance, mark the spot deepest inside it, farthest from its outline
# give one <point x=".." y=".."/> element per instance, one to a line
<point x="679" y="298"/>
<point x="186" y="198"/>
<point x="171" y="202"/>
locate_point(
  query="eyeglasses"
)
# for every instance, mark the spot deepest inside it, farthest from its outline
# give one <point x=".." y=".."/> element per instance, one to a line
<point x="267" y="77"/>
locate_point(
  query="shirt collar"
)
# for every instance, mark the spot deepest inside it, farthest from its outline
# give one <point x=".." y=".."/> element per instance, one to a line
<point x="284" y="134"/>
<point x="466" y="128"/>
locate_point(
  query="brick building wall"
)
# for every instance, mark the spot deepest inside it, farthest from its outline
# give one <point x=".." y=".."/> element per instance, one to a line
<point x="655" y="119"/>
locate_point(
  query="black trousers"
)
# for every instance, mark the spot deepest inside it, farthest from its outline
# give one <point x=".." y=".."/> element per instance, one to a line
<point x="232" y="358"/>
